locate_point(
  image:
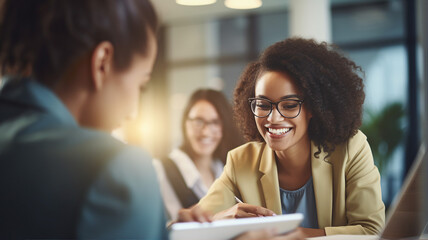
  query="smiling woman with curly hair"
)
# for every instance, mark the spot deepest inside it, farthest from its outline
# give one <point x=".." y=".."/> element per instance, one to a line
<point x="328" y="81"/>
<point x="300" y="106"/>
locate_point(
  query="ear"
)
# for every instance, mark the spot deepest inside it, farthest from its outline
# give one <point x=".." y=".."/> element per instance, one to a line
<point x="101" y="63"/>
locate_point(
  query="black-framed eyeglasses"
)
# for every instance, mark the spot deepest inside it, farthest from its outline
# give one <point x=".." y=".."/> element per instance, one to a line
<point x="288" y="108"/>
<point x="199" y="124"/>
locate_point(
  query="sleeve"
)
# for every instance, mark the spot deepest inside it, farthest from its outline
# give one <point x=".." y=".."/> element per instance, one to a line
<point x="365" y="210"/>
<point x="221" y="194"/>
<point x="124" y="201"/>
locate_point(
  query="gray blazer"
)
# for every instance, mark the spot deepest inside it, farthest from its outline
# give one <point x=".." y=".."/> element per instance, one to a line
<point x="59" y="180"/>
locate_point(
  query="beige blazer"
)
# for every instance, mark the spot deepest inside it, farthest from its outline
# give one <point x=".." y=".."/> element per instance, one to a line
<point x="346" y="185"/>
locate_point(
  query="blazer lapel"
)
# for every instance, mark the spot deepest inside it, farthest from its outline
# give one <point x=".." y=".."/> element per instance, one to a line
<point x="269" y="180"/>
<point x="322" y="174"/>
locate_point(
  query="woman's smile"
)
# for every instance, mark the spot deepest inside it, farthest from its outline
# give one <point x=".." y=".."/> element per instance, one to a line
<point x="278" y="132"/>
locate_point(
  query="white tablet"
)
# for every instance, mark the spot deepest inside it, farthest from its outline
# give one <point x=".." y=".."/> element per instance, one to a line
<point x="227" y="229"/>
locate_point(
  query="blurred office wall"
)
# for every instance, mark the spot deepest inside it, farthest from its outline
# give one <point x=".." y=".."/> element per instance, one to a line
<point x="422" y="30"/>
<point x="422" y="59"/>
<point x="212" y="52"/>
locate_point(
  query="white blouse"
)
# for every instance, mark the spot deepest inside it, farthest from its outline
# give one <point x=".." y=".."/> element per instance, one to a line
<point x="191" y="177"/>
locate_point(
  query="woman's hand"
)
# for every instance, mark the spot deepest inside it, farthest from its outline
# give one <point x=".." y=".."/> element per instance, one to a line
<point x="243" y="210"/>
<point x="194" y="214"/>
<point x="270" y="234"/>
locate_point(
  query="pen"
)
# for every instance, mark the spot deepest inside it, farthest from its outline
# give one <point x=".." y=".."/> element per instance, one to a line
<point x="238" y="200"/>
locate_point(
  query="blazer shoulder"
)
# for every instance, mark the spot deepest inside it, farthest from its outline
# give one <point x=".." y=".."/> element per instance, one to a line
<point x="354" y="145"/>
<point x="247" y="152"/>
<point x="357" y="143"/>
<point x="248" y="147"/>
<point x="358" y="137"/>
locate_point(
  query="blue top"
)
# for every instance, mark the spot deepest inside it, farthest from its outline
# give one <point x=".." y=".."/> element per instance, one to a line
<point x="301" y="201"/>
<point x="66" y="181"/>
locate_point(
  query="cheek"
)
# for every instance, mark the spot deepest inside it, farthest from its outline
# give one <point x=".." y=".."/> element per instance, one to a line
<point x="189" y="133"/>
<point x="219" y="134"/>
<point x="306" y="113"/>
<point x="302" y="125"/>
<point x="260" y="125"/>
<point x="306" y="118"/>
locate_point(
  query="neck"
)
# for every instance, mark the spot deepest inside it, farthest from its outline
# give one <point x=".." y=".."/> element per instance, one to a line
<point x="203" y="163"/>
<point x="73" y="100"/>
<point x="73" y="88"/>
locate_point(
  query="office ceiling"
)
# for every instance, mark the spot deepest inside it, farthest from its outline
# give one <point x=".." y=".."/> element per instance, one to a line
<point x="170" y="12"/>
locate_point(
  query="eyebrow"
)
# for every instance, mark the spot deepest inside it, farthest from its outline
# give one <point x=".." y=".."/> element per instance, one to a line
<point x="281" y="98"/>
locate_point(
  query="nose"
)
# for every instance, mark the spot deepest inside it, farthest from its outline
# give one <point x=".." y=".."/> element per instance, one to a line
<point x="274" y="115"/>
<point x="205" y="128"/>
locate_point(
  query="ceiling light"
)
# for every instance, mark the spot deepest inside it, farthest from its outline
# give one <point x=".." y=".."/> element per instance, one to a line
<point x="243" y="4"/>
<point x="195" y="2"/>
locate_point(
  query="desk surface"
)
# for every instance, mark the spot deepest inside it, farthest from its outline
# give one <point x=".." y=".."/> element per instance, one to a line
<point x="355" y="237"/>
<point x="345" y="237"/>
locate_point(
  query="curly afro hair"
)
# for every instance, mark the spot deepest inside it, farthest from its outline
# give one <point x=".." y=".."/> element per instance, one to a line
<point x="329" y="82"/>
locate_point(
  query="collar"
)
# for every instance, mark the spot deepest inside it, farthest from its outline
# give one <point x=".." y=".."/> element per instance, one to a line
<point x="322" y="173"/>
<point x="269" y="179"/>
<point x="188" y="169"/>
<point x="31" y="93"/>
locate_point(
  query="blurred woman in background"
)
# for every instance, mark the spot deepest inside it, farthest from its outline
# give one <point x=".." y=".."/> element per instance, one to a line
<point x="208" y="134"/>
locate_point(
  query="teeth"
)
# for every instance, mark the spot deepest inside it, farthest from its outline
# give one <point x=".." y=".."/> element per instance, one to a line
<point x="279" y="131"/>
<point x="206" y="140"/>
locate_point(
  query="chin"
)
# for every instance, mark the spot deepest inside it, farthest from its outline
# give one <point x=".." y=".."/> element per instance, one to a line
<point x="277" y="146"/>
<point x="205" y="153"/>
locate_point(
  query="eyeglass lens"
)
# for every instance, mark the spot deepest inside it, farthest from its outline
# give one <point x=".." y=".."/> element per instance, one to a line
<point x="200" y="123"/>
<point x="288" y="108"/>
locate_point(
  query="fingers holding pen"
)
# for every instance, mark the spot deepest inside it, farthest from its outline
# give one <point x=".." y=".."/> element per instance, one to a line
<point x="264" y="212"/>
<point x="248" y="210"/>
